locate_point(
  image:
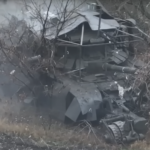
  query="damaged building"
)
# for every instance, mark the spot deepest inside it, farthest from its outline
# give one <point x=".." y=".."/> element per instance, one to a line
<point x="95" y="58"/>
<point x="95" y="70"/>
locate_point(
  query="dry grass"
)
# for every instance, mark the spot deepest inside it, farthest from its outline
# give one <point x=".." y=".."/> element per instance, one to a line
<point x="140" y="146"/>
<point x="58" y="134"/>
<point x="61" y="136"/>
<point x="45" y="132"/>
<point x="42" y="130"/>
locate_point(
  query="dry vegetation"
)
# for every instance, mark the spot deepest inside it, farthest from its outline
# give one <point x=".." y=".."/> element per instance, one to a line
<point x="57" y="136"/>
<point x="34" y="129"/>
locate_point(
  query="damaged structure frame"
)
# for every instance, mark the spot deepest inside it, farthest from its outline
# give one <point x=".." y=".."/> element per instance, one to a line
<point x="94" y="56"/>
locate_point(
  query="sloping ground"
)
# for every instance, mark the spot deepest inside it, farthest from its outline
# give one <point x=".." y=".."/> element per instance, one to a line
<point x="37" y="132"/>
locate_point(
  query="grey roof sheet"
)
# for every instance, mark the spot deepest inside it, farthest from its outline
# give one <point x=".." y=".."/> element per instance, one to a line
<point x="86" y="94"/>
<point x="78" y="18"/>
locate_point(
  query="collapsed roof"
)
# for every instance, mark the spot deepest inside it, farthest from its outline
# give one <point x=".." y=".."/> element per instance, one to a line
<point x="79" y="18"/>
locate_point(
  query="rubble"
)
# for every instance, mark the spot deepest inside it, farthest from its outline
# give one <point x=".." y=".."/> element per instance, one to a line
<point x="93" y="81"/>
<point x="105" y="55"/>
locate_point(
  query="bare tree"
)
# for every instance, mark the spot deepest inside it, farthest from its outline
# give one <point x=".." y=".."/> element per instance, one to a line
<point x="21" y="44"/>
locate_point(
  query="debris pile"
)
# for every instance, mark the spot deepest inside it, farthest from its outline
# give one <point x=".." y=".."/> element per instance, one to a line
<point x="97" y="57"/>
<point x="94" y="73"/>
